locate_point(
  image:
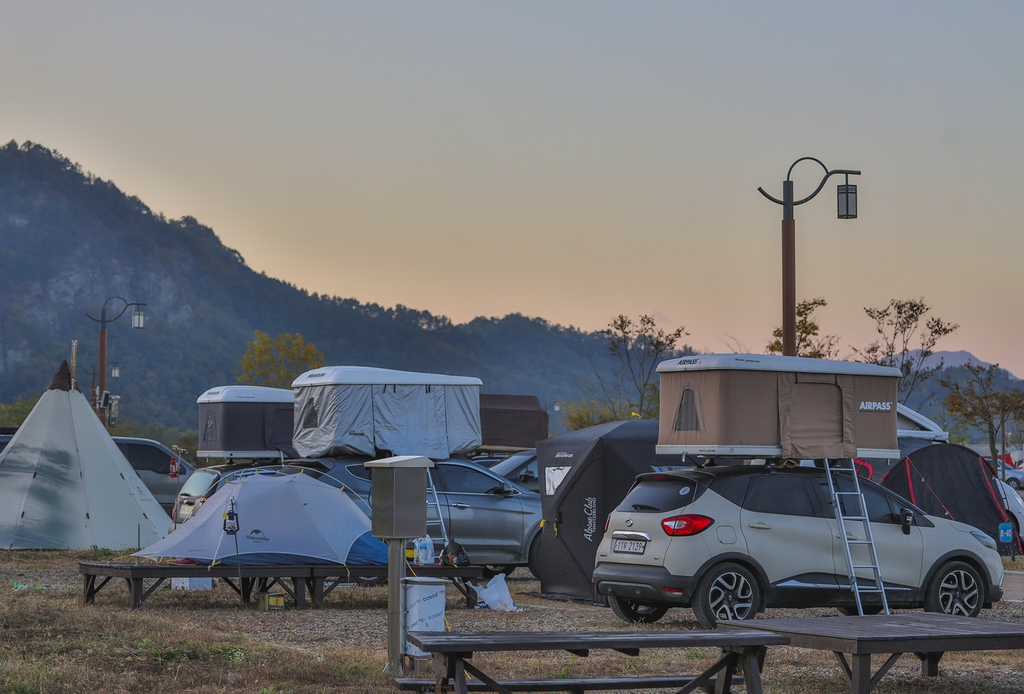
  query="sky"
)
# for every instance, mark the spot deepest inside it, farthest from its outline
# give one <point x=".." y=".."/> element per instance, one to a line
<point x="570" y="161"/>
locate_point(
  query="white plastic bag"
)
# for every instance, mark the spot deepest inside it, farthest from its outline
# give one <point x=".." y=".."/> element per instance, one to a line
<point x="424" y="550"/>
<point x="495" y="595"/>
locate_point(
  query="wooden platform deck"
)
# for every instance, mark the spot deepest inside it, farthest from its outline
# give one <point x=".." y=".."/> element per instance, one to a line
<point x="294" y="579"/>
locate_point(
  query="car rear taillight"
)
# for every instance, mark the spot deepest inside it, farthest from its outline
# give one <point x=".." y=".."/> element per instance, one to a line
<point x="607" y="521"/>
<point x="673" y="592"/>
<point x="174" y="509"/>
<point x="686" y="525"/>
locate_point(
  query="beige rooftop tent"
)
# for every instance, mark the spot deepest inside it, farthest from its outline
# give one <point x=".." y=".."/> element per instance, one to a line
<point x="64" y="484"/>
<point x="764" y="406"/>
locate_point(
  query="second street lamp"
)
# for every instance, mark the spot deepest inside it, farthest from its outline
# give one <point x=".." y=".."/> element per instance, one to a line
<point x="847" y="209"/>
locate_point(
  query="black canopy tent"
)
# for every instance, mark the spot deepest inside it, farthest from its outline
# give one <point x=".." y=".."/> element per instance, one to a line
<point x="584" y="475"/>
<point x="952" y="482"/>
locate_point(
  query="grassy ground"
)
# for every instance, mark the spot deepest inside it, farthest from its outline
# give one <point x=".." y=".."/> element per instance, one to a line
<point x="207" y="641"/>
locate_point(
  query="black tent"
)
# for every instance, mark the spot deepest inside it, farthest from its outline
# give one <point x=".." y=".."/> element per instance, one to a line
<point x="512" y="421"/>
<point x="952" y="482"/>
<point x="246" y="422"/>
<point x="583" y="476"/>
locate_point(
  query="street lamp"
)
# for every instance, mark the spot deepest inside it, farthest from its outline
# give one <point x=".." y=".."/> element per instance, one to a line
<point x="847" y="209"/>
<point x="138" y="322"/>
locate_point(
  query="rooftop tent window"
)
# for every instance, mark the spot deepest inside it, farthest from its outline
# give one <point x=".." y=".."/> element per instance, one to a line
<point x="210" y="430"/>
<point x="688" y="415"/>
<point x="309" y="418"/>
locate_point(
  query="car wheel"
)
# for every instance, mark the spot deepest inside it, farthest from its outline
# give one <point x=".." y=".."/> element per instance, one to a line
<point x="533" y="558"/>
<point x="1013" y="482"/>
<point x="851" y="611"/>
<point x="955" y="588"/>
<point x="636" y="612"/>
<point x="370" y="580"/>
<point x="727" y="592"/>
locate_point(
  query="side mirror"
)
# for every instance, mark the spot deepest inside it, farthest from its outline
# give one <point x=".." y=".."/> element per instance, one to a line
<point x="906" y="520"/>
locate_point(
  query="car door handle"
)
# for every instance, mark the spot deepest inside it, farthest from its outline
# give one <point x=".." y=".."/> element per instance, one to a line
<point x="759" y="525"/>
<point x="459" y="504"/>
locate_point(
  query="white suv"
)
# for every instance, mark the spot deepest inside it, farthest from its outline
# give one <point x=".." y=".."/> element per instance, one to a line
<point x="729" y="541"/>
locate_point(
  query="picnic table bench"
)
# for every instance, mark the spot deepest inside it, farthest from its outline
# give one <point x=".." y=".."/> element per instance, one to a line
<point x="451" y="653"/>
<point x="293" y="579"/>
<point x="926" y="634"/>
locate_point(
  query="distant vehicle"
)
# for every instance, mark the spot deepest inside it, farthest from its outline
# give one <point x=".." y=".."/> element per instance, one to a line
<point x="520" y="468"/>
<point x="496" y="520"/>
<point x="1014" y="505"/>
<point x="730" y="541"/>
<point x="152" y="463"/>
<point x="1014" y="477"/>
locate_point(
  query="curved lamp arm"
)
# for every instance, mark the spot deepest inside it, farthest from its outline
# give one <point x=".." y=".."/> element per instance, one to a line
<point x="828" y="174"/>
<point x="103" y="319"/>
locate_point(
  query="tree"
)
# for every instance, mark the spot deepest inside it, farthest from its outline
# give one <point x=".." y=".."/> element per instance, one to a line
<point x="979" y="403"/>
<point x="901" y="325"/>
<point x="14" y="414"/>
<point x="636" y="348"/>
<point x="276" y="363"/>
<point x="808" y="344"/>
<point x="586" y="413"/>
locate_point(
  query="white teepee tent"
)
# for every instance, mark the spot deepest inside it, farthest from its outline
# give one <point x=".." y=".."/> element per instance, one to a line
<point x="65" y="485"/>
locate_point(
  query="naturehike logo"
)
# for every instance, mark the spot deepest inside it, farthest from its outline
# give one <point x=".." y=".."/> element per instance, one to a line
<point x="563" y="454"/>
<point x="257" y="536"/>
<point x="872" y="406"/>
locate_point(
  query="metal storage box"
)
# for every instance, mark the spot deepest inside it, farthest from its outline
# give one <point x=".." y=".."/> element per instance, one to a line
<point x="399" y="499"/>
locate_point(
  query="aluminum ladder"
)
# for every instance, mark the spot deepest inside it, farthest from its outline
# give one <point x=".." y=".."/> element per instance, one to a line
<point x="855" y="512"/>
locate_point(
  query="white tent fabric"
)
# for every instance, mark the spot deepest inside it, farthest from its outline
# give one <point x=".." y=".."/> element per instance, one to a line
<point x="65" y="485"/>
<point x="354" y="410"/>
<point x="282" y="519"/>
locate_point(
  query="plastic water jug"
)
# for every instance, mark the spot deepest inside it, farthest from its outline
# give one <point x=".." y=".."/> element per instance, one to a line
<point x="424" y="547"/>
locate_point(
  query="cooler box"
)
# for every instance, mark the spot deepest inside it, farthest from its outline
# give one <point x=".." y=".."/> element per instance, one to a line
<point x="424" y="609"/>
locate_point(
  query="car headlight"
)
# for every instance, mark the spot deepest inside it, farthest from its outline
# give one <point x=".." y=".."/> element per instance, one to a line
<point x="985" y="540"/>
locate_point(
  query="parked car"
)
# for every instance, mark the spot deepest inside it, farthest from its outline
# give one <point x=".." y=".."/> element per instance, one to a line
<point x="152" y="462"/>
<point x="730" y="541"/>
<point x="496" y="520"/>
<point x="1014" y="477"/>
<point x="520" y="468"/>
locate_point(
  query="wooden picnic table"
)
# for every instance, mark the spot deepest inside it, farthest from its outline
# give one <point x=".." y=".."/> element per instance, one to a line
<point x="293" y="579"/>
<point x="926" y="634"/>
<point x="451" y="653"/>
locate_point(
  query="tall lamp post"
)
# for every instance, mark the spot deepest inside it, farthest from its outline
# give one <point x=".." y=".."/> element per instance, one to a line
<point x="847" y="209"/>
<point x="138" y="322"/>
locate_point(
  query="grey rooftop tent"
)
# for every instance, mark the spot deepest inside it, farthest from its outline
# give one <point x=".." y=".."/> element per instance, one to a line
<point x="246" y="422"/>
<point x="584" y="475"/>
<point x="65" y="485"/>
<point x="282" y="519"/>
<point x="359" y="410"/>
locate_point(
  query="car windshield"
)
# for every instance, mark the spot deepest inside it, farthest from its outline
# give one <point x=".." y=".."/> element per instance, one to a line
<point x="509" y="464"/>
<point x="199" y="483"/>
<point x="656" y="496"/>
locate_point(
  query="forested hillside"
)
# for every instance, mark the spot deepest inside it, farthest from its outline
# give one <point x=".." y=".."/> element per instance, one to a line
<point x="69" y="240"/>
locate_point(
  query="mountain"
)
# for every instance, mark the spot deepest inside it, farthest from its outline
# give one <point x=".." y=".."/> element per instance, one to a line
<point x="69" y="240"/>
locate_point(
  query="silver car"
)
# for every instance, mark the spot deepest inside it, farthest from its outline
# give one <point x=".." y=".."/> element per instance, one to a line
<point x="152" y="462"/>
<point x="730" y="541"/>
<point x="496" y="520"/>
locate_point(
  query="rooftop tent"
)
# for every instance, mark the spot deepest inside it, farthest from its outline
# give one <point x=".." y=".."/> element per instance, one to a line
<point x="246" y="422"/>
<point x="359" y="410"/>
<point x="282" y="519"/>
<point x="512" y="422"/>
<point x="64" y="484"/>
<point x="584" y="475"/>
<point x="757" y="406"/>
<point x="952" y="482"/>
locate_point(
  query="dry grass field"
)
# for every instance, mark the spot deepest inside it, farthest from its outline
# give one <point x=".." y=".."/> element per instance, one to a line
<point x="208" y="641"/>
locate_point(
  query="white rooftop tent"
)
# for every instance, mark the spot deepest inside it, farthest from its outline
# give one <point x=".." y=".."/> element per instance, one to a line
<point x="282" y="519"/>
<point x="360" y="410"/>
<point x="65" y="485"/>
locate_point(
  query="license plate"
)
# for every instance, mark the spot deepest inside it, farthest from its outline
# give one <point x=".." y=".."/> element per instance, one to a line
<point x="629" y="546"/>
